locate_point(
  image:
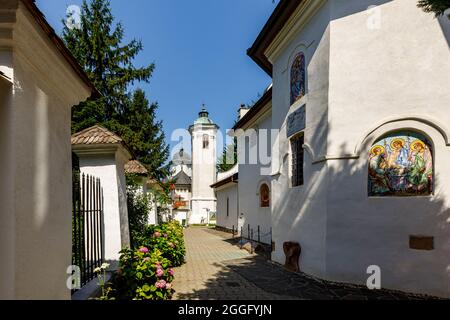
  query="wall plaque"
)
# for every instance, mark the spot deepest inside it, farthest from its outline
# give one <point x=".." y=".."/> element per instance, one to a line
<point x="421" y="243"/>
<point x="296" y="121"/>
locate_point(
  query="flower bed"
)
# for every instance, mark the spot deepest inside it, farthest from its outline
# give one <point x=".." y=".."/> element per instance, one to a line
<point x="167" y="238"/>
<point x="146" y="273"/>
<point x="143" y="275"/>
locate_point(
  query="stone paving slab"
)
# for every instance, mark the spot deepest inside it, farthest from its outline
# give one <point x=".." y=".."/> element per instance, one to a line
<point x="205" y="277"/>
<point x="275" y="279"/>
<point x="216" y="269"/>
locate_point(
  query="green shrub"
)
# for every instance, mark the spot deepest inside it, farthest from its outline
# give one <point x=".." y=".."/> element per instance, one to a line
<point x="167" y="238"/>
<point x="143" y="275"/>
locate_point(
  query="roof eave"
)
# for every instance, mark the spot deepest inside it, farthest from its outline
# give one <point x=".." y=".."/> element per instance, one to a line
<point x="232" y="179"/>
<point x="60" y="46"/>
<point x="254" y="111"/>
<point x="273" y="26"/>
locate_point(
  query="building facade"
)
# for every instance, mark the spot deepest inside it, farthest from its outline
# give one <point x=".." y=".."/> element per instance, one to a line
<point x="359" y="173"/>
<point x="38" y="88"/>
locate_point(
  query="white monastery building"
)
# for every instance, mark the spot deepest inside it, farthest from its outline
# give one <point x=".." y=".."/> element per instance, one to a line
<point x="194" y="199"/>
<point x="359" y="174"/>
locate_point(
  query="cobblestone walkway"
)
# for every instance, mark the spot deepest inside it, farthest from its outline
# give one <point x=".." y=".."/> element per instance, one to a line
<point x="205" y="275"/>
<point x="218" y="270"/>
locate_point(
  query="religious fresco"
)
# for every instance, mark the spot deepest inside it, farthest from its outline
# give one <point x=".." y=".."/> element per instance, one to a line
<point x="401" y="164"/>
<point x="298" y="78"/>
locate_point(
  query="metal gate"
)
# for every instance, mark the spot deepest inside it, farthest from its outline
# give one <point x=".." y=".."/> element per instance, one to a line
<point x="87" y="225"/>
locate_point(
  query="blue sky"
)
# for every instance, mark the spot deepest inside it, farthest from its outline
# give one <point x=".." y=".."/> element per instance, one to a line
<point x="199" y="48"/>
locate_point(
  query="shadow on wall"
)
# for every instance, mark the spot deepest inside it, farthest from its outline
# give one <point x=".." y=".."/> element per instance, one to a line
<point x="358" y="231"/>
<point x="445" y="26"/>
<point x="39" y="147"/>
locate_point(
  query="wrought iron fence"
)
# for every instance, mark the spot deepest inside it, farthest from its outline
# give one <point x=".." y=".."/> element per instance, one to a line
<point x="87" y="225"/>
<point x="256" y="235"/>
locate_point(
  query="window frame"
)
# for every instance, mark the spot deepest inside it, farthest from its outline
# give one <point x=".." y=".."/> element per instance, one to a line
<point x="205" y="141"/>
<point x="264" y="203"/>
<point x="297" y="172"/>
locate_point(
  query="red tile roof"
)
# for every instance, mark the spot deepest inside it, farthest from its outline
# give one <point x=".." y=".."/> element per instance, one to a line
<point x="96" y="135"/>
<point x="134" y="166"/>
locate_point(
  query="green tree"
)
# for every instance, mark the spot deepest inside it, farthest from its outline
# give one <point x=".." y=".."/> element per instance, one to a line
<point x="138" y="126"/>
<point x="98" y="46"/>
<point x="229" y="157"/>
<point x="437" y="6"/>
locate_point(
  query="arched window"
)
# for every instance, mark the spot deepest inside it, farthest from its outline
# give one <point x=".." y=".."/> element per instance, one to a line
<point x="401" y="164"/>
<point x="264" y="196"/>
<point x="205" y="141"/>
<point x="298" y="77"/>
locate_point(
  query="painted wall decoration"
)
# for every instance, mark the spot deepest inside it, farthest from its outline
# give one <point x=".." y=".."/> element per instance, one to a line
<point x="298" y="77"/>
<point x="401" y="164"/>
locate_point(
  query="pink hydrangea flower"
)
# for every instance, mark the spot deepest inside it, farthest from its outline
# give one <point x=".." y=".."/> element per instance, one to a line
<point x="143" y="250"/>
<point x="147" y="259"/>
<point x="159" y="272"/>
<point x="165" y="235"/>
<point x="157" y="234"/>
<point x="161" y="284"/>
<point x="171" y="271"/>
<point x="168" y="286"/>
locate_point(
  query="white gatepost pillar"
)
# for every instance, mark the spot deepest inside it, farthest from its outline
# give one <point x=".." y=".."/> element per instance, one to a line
<point x="106" y="161"/>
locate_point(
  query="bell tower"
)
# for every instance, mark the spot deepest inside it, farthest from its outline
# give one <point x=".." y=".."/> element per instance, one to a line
<point x="204" y="154"/>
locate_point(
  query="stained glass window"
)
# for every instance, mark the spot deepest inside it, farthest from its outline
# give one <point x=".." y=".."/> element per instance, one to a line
<point x="298" y="78"/>
<point x="401" y="164"/>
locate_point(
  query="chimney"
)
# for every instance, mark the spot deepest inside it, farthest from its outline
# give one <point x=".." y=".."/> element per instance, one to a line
<point x="243" y="111"/>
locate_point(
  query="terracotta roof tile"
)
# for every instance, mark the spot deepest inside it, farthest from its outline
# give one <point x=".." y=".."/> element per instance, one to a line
<point x="96" y="135"/>
<point x="134" y="166"/>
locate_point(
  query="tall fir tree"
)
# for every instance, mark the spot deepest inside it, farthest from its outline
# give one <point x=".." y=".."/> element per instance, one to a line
<point x="437" y="6"/>
<point x="229" y="157"/>
<point x="140" y="129"/>
<point x="98" y="46"/>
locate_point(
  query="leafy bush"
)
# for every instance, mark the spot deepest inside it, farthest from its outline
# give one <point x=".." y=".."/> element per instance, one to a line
<point x="143" y="275"/>
<point x="139" y="205"/>
<point x="168" y="239"/>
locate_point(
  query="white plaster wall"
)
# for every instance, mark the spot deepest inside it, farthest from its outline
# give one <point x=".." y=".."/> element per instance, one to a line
<point x="36" y="167"/>
<point x="180" y="215"/>
<point x="252" y="176"/>
<point x="105" y="168"/>
<point x="405" y="75"/>
<point x="299" y="214"/>
<point x="379" y="80"/>
<point x="230" y="191"/>
<point x="199" y="212"/>
<point x="385" y="73"/>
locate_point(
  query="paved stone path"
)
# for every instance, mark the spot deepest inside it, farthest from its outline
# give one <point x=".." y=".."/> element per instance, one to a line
<point x="205" y="275"/>
<point x="217" y="269"/>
